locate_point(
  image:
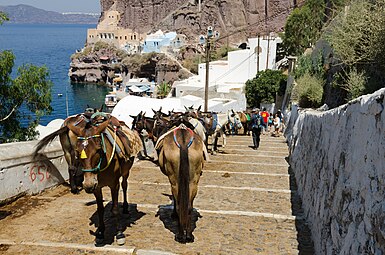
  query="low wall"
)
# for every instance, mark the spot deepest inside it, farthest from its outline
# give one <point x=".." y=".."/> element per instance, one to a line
<point x="338" y="158"/>
<point x="20" y="175"/>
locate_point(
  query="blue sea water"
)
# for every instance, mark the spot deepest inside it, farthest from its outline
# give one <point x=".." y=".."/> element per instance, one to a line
<point x="52" y="45"/>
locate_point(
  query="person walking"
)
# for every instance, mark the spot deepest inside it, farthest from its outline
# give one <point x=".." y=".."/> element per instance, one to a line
<point x="256" y="128"/>
<point x="277" y="124"/>
<point x="265" y="115"/>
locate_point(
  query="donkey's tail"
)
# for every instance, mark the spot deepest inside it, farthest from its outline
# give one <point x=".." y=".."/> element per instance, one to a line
<point x="48" y="139"/>
<point x="184" y="181"/>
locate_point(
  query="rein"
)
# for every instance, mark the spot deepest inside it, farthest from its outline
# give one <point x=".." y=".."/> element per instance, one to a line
<point x="83" y="154"/>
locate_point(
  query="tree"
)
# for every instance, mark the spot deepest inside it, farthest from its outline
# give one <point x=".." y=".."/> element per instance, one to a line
<point x="264" y="87"/>
<point x="3" y="17"/>
<point x="26" y="98"/>
<point x="163" y="89"/>
<point x="303" y="27"/>
<point x="357" y="37"/>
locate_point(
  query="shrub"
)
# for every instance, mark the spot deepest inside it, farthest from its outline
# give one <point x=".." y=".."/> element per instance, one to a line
<point x="308" y="91"/>
<point x="354" y="84"/>
<point x="191" y="64"/>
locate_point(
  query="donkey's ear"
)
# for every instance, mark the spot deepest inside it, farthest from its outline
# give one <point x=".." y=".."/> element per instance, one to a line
<point x="154" y="111"/>
<point x="186" y="108"/>
<point x="78" y="131"/>
<point x="199" y="108"/>
<point x="144" y="113"/>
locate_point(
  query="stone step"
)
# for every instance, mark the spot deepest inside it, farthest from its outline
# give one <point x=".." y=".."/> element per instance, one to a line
<point x="218" y="178"/>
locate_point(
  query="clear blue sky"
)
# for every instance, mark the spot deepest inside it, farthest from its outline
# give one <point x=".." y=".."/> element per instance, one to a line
<point x="59" y="5"/>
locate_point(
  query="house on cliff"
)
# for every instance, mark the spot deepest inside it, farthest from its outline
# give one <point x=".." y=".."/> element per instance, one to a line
<point x="109" y="31"/>
<point x="159" y="41"/>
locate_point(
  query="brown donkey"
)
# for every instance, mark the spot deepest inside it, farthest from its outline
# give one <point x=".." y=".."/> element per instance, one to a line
<point x="181" y="157"/>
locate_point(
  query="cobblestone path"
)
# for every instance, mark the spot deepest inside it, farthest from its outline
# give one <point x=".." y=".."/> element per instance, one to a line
<point x="246" y="204"/>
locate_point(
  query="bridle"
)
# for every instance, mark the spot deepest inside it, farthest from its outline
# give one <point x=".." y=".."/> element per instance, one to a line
<point x="83" y="154"/>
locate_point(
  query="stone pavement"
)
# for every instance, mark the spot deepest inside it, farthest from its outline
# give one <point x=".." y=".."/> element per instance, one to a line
<point x="246" y="204"/>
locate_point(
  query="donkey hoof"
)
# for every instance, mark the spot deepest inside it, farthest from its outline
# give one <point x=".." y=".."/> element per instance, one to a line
<point x="99" y="242"/>
<point x="120" y="238"/>
<point x="180" y="238"/>
<point x="190" y="238"/>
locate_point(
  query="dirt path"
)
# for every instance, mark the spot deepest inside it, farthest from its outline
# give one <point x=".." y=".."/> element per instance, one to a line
<point x="246" y="204"/>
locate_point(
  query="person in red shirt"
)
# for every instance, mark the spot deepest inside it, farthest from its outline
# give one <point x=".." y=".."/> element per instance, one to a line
<point x="265" y="115"/>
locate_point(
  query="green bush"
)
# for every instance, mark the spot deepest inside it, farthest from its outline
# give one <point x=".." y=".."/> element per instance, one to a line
<point x="102" y="45"/>
<point x="264" y="87"/>
<point x="308" y="91"/>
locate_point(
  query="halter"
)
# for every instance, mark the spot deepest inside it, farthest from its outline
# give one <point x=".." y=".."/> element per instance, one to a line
<point x="83" y="154"/>
<point x="191" y="139"/>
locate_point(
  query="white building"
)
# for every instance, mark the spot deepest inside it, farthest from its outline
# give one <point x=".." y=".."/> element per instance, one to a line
<point x="230" y="76"/>
<point x="242" y="64"/>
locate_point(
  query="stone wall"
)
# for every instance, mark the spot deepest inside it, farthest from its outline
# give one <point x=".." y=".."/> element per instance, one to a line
<point x="338" y="158"/>
<point x="20" y="174"/>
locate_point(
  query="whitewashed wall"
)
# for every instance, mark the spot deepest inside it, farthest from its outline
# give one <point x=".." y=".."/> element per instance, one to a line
<point x="19" y="174"/>
<point x="338" y="158"/>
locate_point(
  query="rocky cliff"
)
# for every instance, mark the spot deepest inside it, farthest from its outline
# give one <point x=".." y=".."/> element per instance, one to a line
<point x="241" y="18"/>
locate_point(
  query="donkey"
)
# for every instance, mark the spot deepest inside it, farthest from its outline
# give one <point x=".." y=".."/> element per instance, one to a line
<point x="181" y="159"/>
<point x="215" y="125"/>
<point x="103" y="166"/>
<point x="103" y="149"/>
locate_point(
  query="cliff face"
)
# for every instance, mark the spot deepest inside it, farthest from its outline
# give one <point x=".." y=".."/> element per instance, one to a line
<point x="252" y="17"/>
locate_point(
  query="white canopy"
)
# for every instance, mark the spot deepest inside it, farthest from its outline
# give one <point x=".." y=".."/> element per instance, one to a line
<point x="133" y="105"/>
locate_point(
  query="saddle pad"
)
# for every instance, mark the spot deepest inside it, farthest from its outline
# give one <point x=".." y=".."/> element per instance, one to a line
<point x="110" y="134"/>
<point x="136" y="144"/>
<point x="215" y="121"/>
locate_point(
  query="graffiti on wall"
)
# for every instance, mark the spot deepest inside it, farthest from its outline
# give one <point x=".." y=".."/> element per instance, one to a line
<point x="39" y="172"/>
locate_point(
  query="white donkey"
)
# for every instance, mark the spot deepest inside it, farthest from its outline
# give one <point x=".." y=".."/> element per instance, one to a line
<point x="216" y="123"/>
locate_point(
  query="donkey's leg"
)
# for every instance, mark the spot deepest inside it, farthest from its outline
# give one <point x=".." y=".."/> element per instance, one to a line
<point x="99" y="235"/>
<point x="124" y="186"/>
<point x="215" y="145"/>
<point x="125" y="170"/>
<point x="189" y="235"/>
<point x="120" y="237"/>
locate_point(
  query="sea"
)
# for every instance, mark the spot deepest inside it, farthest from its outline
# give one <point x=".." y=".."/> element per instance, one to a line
<point x="52" y="45"/>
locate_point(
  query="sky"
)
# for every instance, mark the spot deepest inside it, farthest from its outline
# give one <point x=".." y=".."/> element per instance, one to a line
<point x="92" y="6"/>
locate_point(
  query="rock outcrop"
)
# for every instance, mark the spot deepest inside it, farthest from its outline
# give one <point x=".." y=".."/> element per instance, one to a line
<point x="239" y="18"/>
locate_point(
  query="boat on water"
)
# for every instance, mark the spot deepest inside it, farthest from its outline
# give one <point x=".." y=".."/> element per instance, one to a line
<point x="111" y="99"/>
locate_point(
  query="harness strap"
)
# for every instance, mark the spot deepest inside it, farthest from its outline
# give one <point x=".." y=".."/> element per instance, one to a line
<point x="97" y="168"/>
<point x="191" y="139"/>
<point x="79" y="121"/>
